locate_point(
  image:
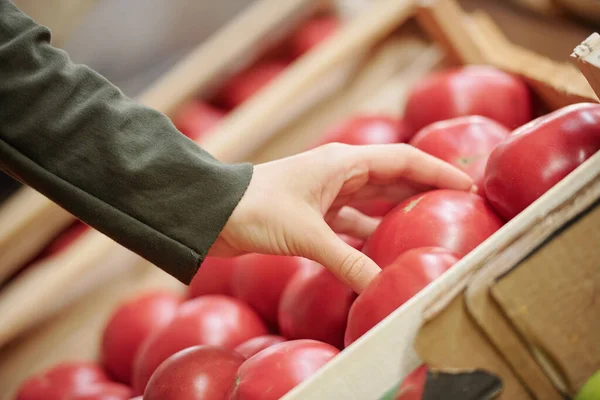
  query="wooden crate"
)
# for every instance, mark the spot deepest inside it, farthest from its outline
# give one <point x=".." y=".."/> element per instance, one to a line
<point x="396" y="62"/>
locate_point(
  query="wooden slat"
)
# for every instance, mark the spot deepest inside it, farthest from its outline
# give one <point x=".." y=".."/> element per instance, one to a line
<point x="587" y="57"/>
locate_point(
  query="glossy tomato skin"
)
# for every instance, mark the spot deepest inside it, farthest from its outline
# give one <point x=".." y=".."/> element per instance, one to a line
<point x="259" y="281"/>
<point x="312" y="33"/>
<point x="208" y="320"/>
<point x="215" y="276"/>
<point x="249" y="82"/>
<point x="199" y="372"/>
<point x="257" y="344"/>
<point x="451" y="219"/>
<point x="465" y="142"/>
<point x="472" y="90"/>
<point x="394" y="286"/>
<point x="62" y="381"/>
<point x="276" y="370"/>
<point x="315" y="305"/>
<point x="538" y="155"/>
<point x="368" y="129"/>
<point x="196" y="118"/>
<point x="413" y="387"/>
<point x="104" y="391"/>
<point x="133" y="322"/>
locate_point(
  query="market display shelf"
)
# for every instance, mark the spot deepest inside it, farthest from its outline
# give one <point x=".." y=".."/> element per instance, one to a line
<point x="368" y="66"/>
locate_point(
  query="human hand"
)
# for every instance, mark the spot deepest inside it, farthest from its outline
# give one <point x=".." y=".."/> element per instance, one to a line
<point x="296" y="205"/>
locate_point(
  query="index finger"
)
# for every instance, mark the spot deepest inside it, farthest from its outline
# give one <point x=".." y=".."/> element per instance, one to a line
<point x="389" y="162"/>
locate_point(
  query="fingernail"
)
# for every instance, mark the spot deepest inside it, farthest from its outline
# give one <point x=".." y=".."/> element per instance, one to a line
<point x="474" y="189"/>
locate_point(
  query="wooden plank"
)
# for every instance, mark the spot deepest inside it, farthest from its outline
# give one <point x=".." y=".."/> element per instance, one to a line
<point x="587" y="57"/>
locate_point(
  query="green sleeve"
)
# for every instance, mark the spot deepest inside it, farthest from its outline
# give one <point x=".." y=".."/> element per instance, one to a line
<point x="118" y="166"/>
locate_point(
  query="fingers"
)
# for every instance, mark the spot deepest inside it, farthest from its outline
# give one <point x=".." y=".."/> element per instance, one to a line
<point x="352" y="222"/>
<point x="349" y="265"/>
<point x="388" y="163"/>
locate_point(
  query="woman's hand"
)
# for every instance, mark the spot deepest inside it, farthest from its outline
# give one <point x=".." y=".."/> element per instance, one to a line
<point x="296" y="205"/>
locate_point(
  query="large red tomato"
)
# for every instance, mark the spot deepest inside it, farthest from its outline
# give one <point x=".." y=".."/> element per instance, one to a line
<point x="394" y="286"/>
<point x="311" y="33"/>
<point x="249" y="82"/>
<point x="62" y="381"/>
<point x="276" y="370"/>
<point x="63" y="240"/>
<point x="257" y="344"/>
<point x="465" y="142"/>
<point x="215" y="276"/>
<point x="315" y="305"/>
<point x="211" y="320"/>
<point x="259" y="280"/>
<point x="413" y="387"/>
<point x="103" y="391"/>
<point x="199" y="372"/>
<point x="196" y="118"/>
<point x="368" y="129"/>
<point x="471" y="90"/>
<point x="538" y="155"/>
<point x="130" y="325"/>
<point x="451" y="219"/>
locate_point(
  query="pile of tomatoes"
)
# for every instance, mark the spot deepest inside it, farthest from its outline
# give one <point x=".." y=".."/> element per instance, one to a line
<point x="198" y="117"/>
<point x="255" y="326"/>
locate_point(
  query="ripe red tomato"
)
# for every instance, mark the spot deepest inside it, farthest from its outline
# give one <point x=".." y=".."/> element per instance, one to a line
<point x="199" y="372"/>
<point x="104" y="391"/>
<point x="311" y="33"/>
<point x="212" y="320"/>
<point x="394" y="286"/>
<point x="315" y="305"/>
<point x="451" y="219"/>
<point x="257" y="344"/>
<point x="276" y="370"/>
<point x="465" y="142"/>
<point x="249" y="82"/>
<point x="259" y="281"/>
<point x="196" y="118"/>
<point x="62" y="381"/>
<point x="472" y="90"/>
<point x="63" y="240"/>
<point x="413" y="387"/>
<point x="538" y="155"/>
<point x="215" y="276"/>
<point x="130" y="325"/>
<point x="368" y="129"/>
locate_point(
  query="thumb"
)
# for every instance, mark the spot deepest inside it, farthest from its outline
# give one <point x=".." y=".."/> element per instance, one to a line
<point x="349" y="265"/>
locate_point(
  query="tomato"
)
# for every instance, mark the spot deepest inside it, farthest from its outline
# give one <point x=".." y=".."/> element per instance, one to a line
<point x="315" y="305"/>
<point x="63" y="240"/>
<point x="276" y="370"/>
<point x="130" y="325"/>
<point x="259" y="280"/>
<point x="395" y="285"/>
<point x="199" y="372"/>
<point x="472" y="90"/>
<point x="62" y="381"/>
<point x="451" y="219"/>
<point x="257" y="344"/>
<point x="196" y="118"/>
<point x="215" y="276"/>
<point x="413" y="387"/>
<point x="465" y="142"/>
<point x="538" y="155"/>
<point x="249" y="82"/>
<point x="367" y="129"/>
<point x="311" y="33"/>
<point x="104" y="391"/>
<point x="212" y="320"/>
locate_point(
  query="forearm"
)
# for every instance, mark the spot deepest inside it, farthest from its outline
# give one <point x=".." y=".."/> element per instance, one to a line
<point x="120" y="167"/>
